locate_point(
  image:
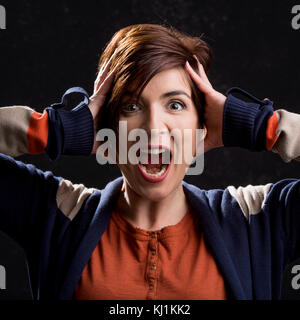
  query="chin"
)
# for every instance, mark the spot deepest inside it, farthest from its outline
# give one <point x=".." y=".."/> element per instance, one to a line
<point x="154" y="191"/>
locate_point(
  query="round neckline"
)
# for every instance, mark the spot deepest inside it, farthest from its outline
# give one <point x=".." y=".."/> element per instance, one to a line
<point x="165" y="232"/>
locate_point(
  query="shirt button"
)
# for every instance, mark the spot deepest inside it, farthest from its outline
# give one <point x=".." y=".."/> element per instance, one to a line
<point x="151" y="287"/>
<point x="153" y="267"/>
<point x="153" y="252"/>
<point x="153" y="235"/>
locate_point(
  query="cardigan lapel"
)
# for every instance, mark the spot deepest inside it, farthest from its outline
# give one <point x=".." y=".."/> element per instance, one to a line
<point x="214" y="240"/>
<point x="108" y="198"/>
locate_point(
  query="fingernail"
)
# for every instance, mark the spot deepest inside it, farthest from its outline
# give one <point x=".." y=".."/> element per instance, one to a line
<point x="187" y="64"/>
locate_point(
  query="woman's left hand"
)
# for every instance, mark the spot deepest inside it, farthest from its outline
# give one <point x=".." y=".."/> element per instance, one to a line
<point x="213" y="109"/>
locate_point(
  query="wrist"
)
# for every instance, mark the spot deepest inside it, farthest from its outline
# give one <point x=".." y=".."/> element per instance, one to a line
<point x="70" y="132"/>
<point x="244" y="123"/>
<point x="93" y="108"/>
<point x="78" y="130"/>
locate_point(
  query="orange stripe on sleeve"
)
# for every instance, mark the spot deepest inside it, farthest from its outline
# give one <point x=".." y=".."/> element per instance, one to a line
<point x="37" y="134"/>
<point x="271" y="136"/>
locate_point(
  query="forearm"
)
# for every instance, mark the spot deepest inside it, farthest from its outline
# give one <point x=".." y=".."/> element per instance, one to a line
<point x="256" y="126"/>
<point x="55" y="131"/>
<point x="22" y="131"/>
<point x="287" y="135"/>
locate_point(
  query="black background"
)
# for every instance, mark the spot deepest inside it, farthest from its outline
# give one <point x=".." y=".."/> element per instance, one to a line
<point x="49" y="46"/>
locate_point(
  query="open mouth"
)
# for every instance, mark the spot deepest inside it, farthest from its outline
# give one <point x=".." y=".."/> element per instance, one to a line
<point x="154" y="163"/>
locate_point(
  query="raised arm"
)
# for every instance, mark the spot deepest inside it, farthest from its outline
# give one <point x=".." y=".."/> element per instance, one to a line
<point x="37" y="208"/>
<point x="264" y="219"/>
<point x="55" y="131"/>
<point x="233" y="122"/>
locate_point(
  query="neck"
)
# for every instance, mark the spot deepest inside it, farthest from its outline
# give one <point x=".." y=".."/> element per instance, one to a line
<point x="149" y="214"/>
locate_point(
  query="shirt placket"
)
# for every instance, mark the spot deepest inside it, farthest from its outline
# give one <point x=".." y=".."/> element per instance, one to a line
<point x="152" y="274"/>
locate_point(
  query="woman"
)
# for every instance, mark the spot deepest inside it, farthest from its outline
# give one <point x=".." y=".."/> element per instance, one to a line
<point x="149" y="234"/>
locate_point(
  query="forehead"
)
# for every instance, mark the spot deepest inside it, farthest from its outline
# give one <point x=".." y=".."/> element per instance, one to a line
<point x="166" y="81"/>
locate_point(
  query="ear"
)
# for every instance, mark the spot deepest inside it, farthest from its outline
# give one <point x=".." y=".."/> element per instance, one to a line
<point x="204" y="132"/>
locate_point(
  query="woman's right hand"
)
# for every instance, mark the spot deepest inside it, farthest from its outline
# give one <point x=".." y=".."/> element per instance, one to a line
<point x="102" y="85"/>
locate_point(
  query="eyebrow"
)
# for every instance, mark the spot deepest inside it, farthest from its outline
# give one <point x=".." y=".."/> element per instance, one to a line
<point x="174" y="93"/>
<point x="164" y="95"/>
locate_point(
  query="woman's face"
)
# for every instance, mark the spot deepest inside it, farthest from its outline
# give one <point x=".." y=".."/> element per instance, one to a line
<point x="165" y="106"/>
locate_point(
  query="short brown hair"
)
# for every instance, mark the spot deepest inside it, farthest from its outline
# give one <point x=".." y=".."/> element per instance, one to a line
<point x="142" y="51"/>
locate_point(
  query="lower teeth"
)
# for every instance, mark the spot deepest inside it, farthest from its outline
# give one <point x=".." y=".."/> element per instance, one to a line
<point x="158" y="174"/>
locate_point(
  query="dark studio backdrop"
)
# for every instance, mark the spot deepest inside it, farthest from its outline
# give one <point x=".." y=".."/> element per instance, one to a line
<point x="49" y="46"/>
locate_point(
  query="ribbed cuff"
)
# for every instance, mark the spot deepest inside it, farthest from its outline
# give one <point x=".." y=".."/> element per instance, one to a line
<point x="244" y="123"/>
<point x="238" y="122"/>
<point x="78" y="127"/>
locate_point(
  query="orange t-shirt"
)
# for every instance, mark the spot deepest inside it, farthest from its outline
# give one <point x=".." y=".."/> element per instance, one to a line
<point x="130" y="263"/>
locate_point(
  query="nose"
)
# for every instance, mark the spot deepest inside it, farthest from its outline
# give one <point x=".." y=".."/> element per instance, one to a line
<point x="155" y="124"/>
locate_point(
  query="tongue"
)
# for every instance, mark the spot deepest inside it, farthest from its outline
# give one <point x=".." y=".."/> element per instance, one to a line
<point x="153" y="168"/>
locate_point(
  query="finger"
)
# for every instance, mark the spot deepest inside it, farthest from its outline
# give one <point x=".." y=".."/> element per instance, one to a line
<point x="103" y="71"/>
<point x="101" y="77"/>
<point x="102" y="67"/>
<point x="104" y="86"/>
<point x="107" y="66"/>
<point x="98" y="79"/>
<point x="107" y="82"/>
<point x="106" y="62"/>
<point x="202" y="85"/>
<point x="202" y="71"/>
<point x="102" y="74"/>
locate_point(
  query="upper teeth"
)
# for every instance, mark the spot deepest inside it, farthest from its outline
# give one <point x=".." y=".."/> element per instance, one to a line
<point x="154" y="150"/>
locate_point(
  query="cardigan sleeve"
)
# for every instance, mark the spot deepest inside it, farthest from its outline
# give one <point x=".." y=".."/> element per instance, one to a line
<point x="256" y="126"/>
<point x="36" y="207"/>
<point x="56" y="131"/>
<point x="272" y="210"/>
<point x="28" y="194"/>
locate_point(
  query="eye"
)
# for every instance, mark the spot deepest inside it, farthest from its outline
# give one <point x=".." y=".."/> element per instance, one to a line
<point x="176" y="106"/>
<point x="130" y="108"/>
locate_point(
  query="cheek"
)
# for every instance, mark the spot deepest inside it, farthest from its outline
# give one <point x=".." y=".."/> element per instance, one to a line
<point x="125" y="126"/>
<point x="189" y="131"/>
<point x="189" y="144"/>
<point x="132" y="121"/>
<point x="197" y="132"/>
